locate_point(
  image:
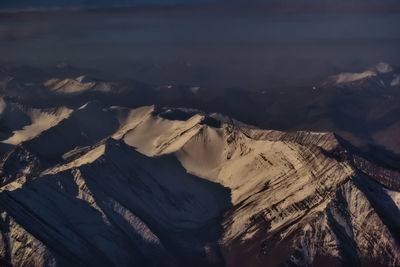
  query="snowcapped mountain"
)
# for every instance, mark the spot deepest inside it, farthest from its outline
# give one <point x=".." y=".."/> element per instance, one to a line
<point x="382" y="76"/>
<point x="101" y="185"/>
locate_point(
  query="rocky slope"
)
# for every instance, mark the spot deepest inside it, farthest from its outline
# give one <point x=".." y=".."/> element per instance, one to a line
<point x="111" y="186"/>
<point x="362" y="105"/>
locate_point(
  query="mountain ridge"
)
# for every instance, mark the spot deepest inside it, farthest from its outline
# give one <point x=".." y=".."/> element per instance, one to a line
<point x="194" y="192"/>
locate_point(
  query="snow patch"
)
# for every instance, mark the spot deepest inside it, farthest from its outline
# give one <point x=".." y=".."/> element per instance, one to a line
<point x="156" y="136"/>
<point x="383" y="67"/>
<point x="396" y="80"/>
<point x="347" y="77"/>
<point x="87" y="158"/>
<point x="69" y="85"/>
<point x="41" y="121"/>
<point x="2" y="105"/>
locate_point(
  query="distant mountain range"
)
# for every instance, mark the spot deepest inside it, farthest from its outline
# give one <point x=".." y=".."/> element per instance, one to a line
<point x="362" y="107"/>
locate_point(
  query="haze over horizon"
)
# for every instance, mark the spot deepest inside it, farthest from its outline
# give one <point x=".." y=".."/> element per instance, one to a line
<point x="202" y="45"/>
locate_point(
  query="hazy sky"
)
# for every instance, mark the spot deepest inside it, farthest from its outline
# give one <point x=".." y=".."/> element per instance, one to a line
<point x="70" y="3"/>
<point x="203" y="45"/>
<point x="358" y="4"/>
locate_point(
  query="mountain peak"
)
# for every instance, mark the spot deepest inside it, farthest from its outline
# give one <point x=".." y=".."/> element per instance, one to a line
<point x="149" y="180"/>
<point x="380" y="74"/>
<point x="383" y="67"/>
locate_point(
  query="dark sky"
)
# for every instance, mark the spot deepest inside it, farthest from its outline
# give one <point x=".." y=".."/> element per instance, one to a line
<point x="309" y="4"/>
<point x="224" y="45"/>
<point x="202" y="46"/>
<point x="85" y="3"/>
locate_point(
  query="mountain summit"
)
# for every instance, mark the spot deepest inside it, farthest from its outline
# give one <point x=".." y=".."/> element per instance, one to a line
<point x="175" y="187"/>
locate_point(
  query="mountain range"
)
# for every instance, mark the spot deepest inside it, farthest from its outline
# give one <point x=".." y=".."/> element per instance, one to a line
<point x="361" y="106"/>
<point x="92" y="174"/>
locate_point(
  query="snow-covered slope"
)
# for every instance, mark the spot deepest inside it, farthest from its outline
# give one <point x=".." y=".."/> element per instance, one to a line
<point x="381" y="75"/>
<point x="41" y="120"/>
<point x="112" y="186"/>
<point x="20" y="123"/>
<point x="75" y="85"/>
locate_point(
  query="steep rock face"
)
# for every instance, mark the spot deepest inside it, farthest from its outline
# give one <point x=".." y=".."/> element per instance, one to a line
<point x="18" y="163"/>
<point x="181" y="187"/>
<point x="354" y="227"/>
<point x="120" y="208"/>
<point x="20" y="248"/>
<point x="387" y="176"/>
